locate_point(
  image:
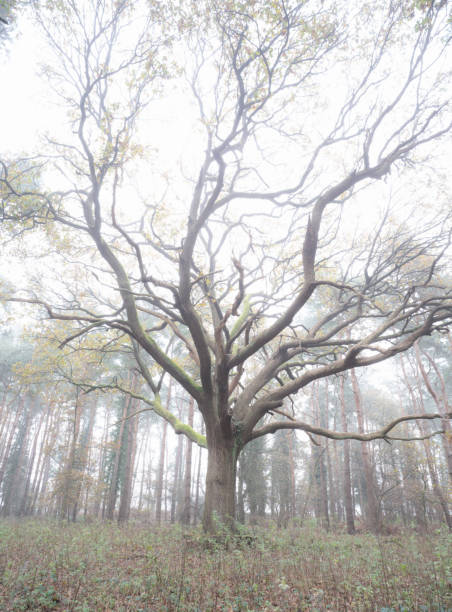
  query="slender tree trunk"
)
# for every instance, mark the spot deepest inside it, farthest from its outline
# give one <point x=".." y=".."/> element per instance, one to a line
<point x="290" y="438"/>
<point x="161" y="469"/>
<point x="395" y="463"/>
<point x="88" y="455"/>
<point x="130" y="451"/>
<point x="240" y="494"/>
<point x="340" y="504"/>
<point x="331" y="482"/>
<point x="150" y="505"/>
<point x="101" y="492"/>
<point x="186" y="514"/>
<point x="82" y="459"/>
<point x="144" y="470"/>
<point x="347" y="481"/>
<point x="176" y="478"/>
<point x="373" y="517"/>
<point x="198" y="483"/>
<point x="70" y="474"/>
<point x="333" y="497"/>
<point x="114" y="482"/>
<point x="165" y="486"/>
<point x="88" y="471"/>
<point x="319" y="466"/>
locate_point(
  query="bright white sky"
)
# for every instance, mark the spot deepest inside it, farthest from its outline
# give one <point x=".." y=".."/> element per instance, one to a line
<point x="23" y="108"/>
<point x="27" y="110"/>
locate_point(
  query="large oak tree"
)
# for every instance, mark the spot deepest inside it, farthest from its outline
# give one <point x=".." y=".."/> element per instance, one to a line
<point x="286" y="242"/>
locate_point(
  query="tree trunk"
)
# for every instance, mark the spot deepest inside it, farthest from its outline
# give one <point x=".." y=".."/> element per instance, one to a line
<point x="347" y="481"/>
<point x="219" y="505"/>
<point x="71" y="474"/>
<point x="331" y="483"/>
<point x="186" y="514"/>
<point x="102" y="492"/>
<point x="165" y="486"/>
<point x="161" y="468"/>
<point x="176" y="479"/>
<point x="83" y="453"/>
<point x="144" y="469"/>
<point x="240" y="509"/>
<point x="396" y="467"/>
<point x="198" y="482"/>
<point x="333" y="497"/>
<point x="319" y="465"/>
<point x="290" y="438"/>
<point x="373" y="517"/>
<point x="129" y="460"/>
<point x="114" y="482"/>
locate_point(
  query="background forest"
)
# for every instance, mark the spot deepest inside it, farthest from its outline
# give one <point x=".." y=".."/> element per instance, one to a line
<point x="101" y="455"/>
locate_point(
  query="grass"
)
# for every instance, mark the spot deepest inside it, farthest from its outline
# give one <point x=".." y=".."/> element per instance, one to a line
<point x="46" y="565"/>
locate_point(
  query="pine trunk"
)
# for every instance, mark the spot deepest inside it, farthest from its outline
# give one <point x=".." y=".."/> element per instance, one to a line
<point x="176" y="479"/>
<point x="347" y="481"/>
<point x="186" y="514"/>
<point x="159" y="488"/>
<point x="198" y="486"/>
<point x="130" y="451"/>
<point x="373" y="517"/>
<point x="114" y="482"/>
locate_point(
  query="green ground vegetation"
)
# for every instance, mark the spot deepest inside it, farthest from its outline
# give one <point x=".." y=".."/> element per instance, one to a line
<point x="45" y="565"/>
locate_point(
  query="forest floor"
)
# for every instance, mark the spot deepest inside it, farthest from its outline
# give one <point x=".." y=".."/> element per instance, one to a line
<point x="46" y="565"/>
